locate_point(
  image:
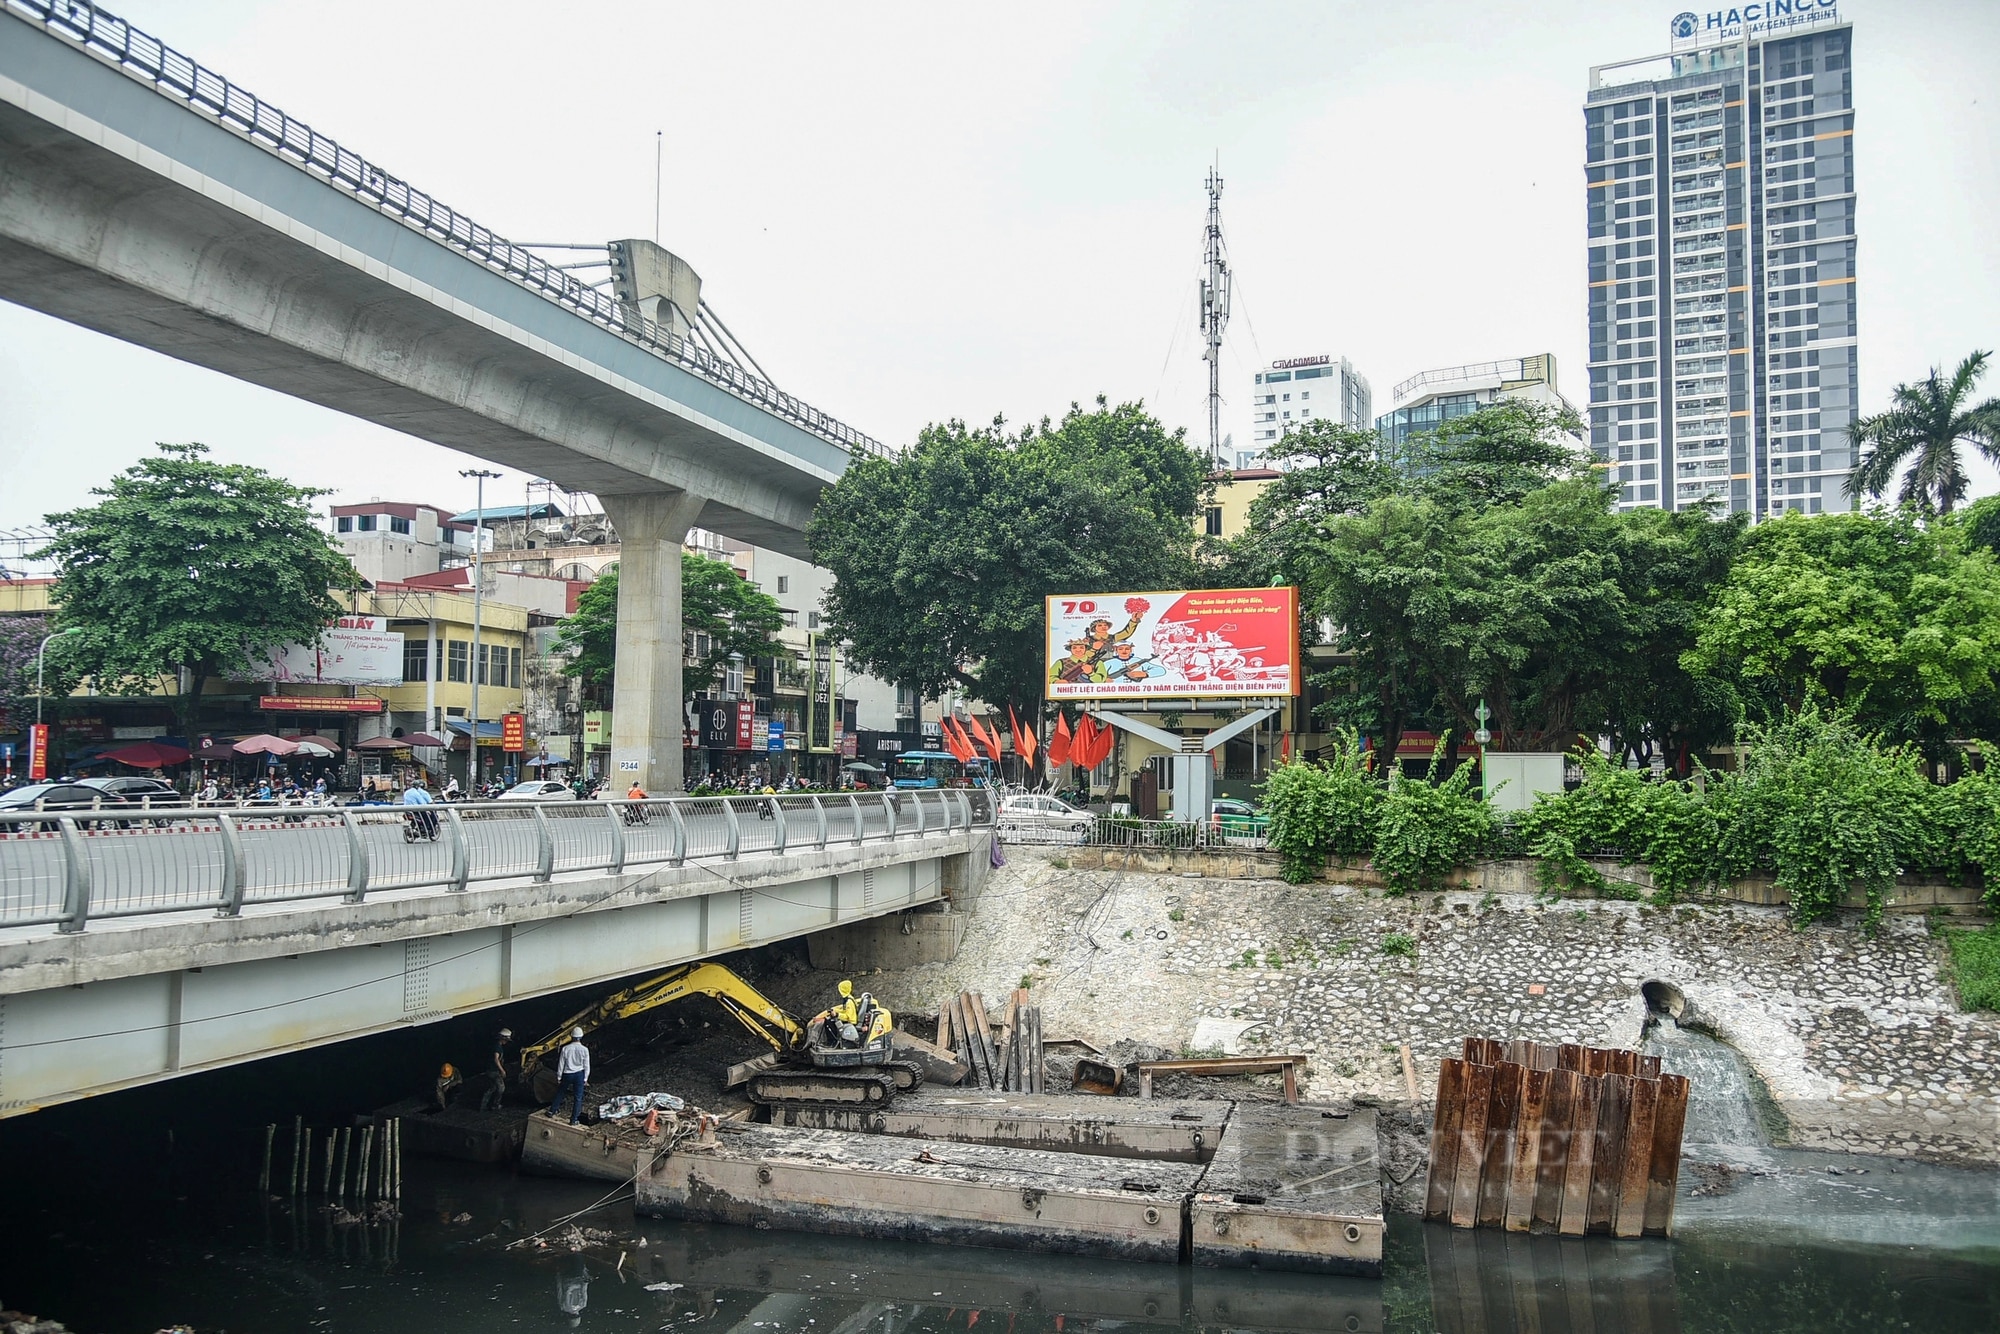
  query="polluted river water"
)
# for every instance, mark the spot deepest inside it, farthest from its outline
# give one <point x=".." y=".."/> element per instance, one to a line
<point x="137" y="1212"/>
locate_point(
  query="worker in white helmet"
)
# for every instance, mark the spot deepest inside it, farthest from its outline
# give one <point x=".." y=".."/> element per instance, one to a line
<point x="572" y="1075"/>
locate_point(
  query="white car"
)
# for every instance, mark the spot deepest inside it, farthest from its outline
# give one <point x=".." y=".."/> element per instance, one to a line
<point x="538" y="789"/>
<point x="1031" y="818"/>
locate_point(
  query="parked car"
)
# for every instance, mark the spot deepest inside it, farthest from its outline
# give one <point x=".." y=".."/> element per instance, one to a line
<point x="1228" y="815"/>
<point x="1030" y="817"/>
<point x="135" y="789"/>
<point x="538" y="789"/>
<point x="64" y="797"/>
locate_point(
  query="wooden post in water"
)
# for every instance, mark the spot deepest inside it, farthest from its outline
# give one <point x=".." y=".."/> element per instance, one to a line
<point x="264" y="1177"/>
<point x="298" y="1133"/>
<point x="326" y="1177"/>
<point x="365" y="1162"/>
<point x="340" y="1173"/>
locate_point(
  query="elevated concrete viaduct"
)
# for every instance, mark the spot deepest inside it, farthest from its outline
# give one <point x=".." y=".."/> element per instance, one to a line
<point x="149" y="199"/>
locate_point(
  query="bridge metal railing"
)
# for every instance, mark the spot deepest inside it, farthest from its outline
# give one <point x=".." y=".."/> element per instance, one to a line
<point x="71" y="867"/>
<point x="202" y="90"/>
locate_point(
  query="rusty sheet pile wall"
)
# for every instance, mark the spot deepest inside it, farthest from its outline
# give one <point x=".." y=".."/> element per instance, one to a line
<point x="1532" y="1136"/>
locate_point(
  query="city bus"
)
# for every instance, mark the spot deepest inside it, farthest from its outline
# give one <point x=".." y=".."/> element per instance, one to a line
<point x="937" y="768"/>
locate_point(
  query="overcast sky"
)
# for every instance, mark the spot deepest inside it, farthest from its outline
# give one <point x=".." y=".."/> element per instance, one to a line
<point x="914" y="212"/>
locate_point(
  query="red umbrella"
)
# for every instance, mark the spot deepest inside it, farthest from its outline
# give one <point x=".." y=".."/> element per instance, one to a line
<point x="421" y="739"/>
<point x="147" y="755"/>
<point x="265" y="744"/>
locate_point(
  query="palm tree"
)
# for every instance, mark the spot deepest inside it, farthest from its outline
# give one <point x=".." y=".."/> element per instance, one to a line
<point x="1924" y="429"/>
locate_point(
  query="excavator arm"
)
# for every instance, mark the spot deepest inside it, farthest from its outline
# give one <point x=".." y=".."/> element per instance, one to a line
<point x="748" y="1006"/>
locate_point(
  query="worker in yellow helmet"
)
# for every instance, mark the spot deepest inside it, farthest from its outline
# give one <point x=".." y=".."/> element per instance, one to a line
<point x="448" y="1082"/>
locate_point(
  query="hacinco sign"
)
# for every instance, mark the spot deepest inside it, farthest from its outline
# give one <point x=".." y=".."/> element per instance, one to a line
<point x="1751" y="20"/>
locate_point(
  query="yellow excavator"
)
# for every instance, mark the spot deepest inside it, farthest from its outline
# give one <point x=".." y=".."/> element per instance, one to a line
<point x="841" y="1057"/>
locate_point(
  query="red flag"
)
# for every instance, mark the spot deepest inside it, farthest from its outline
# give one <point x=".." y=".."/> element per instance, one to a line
<point x="961" y="744"/>
<point x="1024" y="742"/>
<point x="990" y="735"/>
<point x="1059" y="742"/>
<point x="1100" y="746"/>
<point x="1086" y="743"/>
<point x="1285" y="747"/>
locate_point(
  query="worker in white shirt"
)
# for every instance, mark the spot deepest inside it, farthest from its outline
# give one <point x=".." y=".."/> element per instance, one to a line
<point x="572" y="1075"/>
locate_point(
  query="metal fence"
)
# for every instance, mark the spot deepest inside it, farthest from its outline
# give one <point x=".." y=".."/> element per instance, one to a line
<point x="72" y="867"/>
<point x="203" y="91"/>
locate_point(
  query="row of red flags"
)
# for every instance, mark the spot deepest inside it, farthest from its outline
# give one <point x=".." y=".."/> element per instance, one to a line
<point x="1088" y="746"/>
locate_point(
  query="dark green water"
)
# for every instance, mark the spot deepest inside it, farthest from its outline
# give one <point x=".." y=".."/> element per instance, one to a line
<point x="128" y="1213"/>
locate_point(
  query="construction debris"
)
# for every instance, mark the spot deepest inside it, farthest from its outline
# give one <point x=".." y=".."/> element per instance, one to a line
<point x="1532" y="1136"/>
<point x="1010" y="1060"/>
<point x="1288" y="1066"/>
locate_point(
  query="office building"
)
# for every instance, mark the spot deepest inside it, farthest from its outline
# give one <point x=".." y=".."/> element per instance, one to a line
<point x="1429" y="399"/>
<point x="1721" y="262"/>
<point x="1299" y="389"/>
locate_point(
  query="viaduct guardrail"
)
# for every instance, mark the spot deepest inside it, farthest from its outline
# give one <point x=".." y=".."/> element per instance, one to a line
<point x="178" y="77"/>
<point x="69" y="868"/>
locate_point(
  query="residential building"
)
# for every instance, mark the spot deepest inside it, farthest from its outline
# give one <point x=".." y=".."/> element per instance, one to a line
<point x="391" y="540"/>
<point x="1298" y="389"/>
<point x="1229" y="516"/>
<point x="1429" y="399"/>
<point x="1721" y="206"/>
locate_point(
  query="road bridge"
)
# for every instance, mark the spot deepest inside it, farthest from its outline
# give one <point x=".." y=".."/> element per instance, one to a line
<point x="137" y="948"/>
<point x="148" y="198"/>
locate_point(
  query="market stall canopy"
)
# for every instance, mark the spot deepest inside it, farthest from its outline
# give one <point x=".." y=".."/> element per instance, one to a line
<point x="422" y="739"/>
<point x="216" y="750"/>
<point x="317" y="747"/>
<point x="148" y="755"/>
<point x="547" y="761"/>
<point x="385" y="743"/>
<point x="265" y="744"/>
<point x="460" y="729"/>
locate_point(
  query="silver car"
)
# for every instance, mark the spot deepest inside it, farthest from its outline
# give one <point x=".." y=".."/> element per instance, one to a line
<point x="1031" y="818"/>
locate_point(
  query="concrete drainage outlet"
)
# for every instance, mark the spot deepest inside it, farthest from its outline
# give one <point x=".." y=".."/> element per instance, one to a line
<point x="1352" y="1233"/>
<point x="1152" y="1215"/>
<point x="763" y="1176"/>
<point x="1221" y="1227"/>
<point x="1664" y="999"/>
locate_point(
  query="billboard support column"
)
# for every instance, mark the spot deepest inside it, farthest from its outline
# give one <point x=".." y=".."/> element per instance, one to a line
<point x="1194" y="770"/>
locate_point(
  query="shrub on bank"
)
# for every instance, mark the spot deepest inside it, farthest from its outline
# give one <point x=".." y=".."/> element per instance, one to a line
<point x="1975" y="967"/>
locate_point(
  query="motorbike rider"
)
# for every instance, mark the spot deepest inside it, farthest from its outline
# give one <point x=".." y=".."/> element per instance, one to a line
<point x="424" y="822"/>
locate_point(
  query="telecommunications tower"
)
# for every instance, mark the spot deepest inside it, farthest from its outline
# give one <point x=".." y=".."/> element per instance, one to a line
<point x="1214" y="315"/>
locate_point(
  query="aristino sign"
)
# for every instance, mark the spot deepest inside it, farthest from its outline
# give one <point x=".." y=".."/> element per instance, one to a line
<point x="1213" y="643"/>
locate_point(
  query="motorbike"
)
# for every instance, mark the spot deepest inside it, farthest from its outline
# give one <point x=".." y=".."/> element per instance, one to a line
<point x="420" y="825"/>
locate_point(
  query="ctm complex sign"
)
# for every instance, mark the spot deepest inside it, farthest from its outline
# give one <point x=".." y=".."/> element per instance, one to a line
<point x="1760" y="19"/>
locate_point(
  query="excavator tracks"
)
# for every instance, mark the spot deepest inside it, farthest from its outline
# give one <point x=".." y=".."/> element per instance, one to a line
<point x="822" y="1088"/>
<point x="909" y="1076"/>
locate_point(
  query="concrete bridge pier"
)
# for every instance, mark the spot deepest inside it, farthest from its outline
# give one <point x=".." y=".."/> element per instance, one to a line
<point x="649" y="718"/>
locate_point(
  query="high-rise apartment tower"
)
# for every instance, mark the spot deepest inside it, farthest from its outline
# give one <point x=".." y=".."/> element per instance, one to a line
<point x="1721" y="257"/>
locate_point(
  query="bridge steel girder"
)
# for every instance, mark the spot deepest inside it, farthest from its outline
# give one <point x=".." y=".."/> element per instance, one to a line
<point x="128" y="213"/>
<point x="87" y="1014"/>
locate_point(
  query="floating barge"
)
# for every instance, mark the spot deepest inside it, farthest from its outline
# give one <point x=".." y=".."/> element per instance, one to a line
<point x="1282" y="1188"/>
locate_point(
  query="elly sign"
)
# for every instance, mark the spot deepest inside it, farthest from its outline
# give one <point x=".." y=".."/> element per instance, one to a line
<point x="1758" y="19"/>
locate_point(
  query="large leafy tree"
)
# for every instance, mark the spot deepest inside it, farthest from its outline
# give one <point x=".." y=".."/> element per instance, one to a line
<point x="20" y="637"/>
<point x="942" y="555"/>
<point x="1896" y="622"/>
<point x="737" y="616"/>
<point x="188" y="568"/>
<point x="1923" y="431"/>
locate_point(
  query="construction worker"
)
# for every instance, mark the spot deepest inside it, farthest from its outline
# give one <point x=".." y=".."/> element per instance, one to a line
<point x="496" y="1078"/>
<point x="845" y="1016"/>
<point x="448" y="1082"/>
<point x="572" y="1075"/>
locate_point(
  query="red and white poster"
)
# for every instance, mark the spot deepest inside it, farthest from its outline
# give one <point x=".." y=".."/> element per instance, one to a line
<point x="746" y="722"/>
<point x="38" y="752"/>
<point x="1215" y="643"/>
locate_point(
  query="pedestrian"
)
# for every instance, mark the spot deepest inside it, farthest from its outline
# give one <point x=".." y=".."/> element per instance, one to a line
<point x="572" y="1075"/>
<point x="496" y="1078"/>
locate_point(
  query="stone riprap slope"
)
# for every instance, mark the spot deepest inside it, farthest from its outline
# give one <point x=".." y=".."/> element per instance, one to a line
<point x="1857" y="1039"/>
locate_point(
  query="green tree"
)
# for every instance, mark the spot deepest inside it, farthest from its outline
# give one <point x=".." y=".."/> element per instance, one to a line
<point x="942" y="555"/>
<point x="1496" y="456"/>
<point x="1327" y="470"/>
<point x="1896" y="623"/>
<point x="736" y="615"/>
<point x="1924" y="430"/>
<point x="189" y="569"/>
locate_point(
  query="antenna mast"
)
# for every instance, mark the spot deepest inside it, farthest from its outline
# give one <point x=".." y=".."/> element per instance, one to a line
<point x="1214" y="315"/>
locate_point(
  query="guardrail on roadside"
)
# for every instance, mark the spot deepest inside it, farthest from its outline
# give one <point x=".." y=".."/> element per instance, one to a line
<point x="71" y="867"/>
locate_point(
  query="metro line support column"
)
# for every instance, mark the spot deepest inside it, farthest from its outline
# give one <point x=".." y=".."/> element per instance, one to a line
<point x="648" y="715"/>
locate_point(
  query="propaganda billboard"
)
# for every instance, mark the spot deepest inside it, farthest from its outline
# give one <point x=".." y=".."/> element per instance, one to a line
<point x="353" y="651"/>
<point x="1216" y="643"/>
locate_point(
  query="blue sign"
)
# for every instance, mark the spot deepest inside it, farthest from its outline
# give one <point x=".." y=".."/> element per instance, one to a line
<point x="7" y="751"/>
<point x="776" y="739"/>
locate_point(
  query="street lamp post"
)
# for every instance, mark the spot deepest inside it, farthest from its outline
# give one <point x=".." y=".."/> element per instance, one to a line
<point x="44" y="648"/>
<point x="478" y="599"/>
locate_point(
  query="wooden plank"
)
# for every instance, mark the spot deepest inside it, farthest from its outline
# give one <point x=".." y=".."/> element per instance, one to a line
<point x="1445" y="1122"/>
<point x="1527" y="1152"/>
<point x="1569" y="1056"/>
<point x="1649" y="1067"/>
<point x="1009" y="1024"/>
<point x="944" y="1034"/>
<point x="1628" y="1214"/>
<point x="1471" y="1145"/>
<point x="1545" y="1055"/>
<point x="1608" y="1150"/>
<point x="982" y="1075"/>
<point x="1483" y="1051"/>
<point x="1509" y="1085"/>
<point x="1037" y="1052"/>
<point x="1581" y="1137"/>
<point x="1663" y="1178"/>
<point x="982" y="1029"/>
<point x="1518" y="1051"/>
<point x="1552" y="1157"/>
<point x="1409" y="1070"/>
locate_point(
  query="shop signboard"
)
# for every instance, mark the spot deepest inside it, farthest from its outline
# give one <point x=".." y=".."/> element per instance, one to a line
<point x="514" y="732"/>
<point x="822" y="696"/>
<point x="596" y="729"/>
<point x="718" y="724"/>
<point x="850" y="745"/>
<point x="1215" y="643"/>
<point x="353" y="651"/>
<point x="760" y="733"/>
<point x="316" y="704"/>
<point x="746" y="724"/>
<point x="774" y="736"/>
